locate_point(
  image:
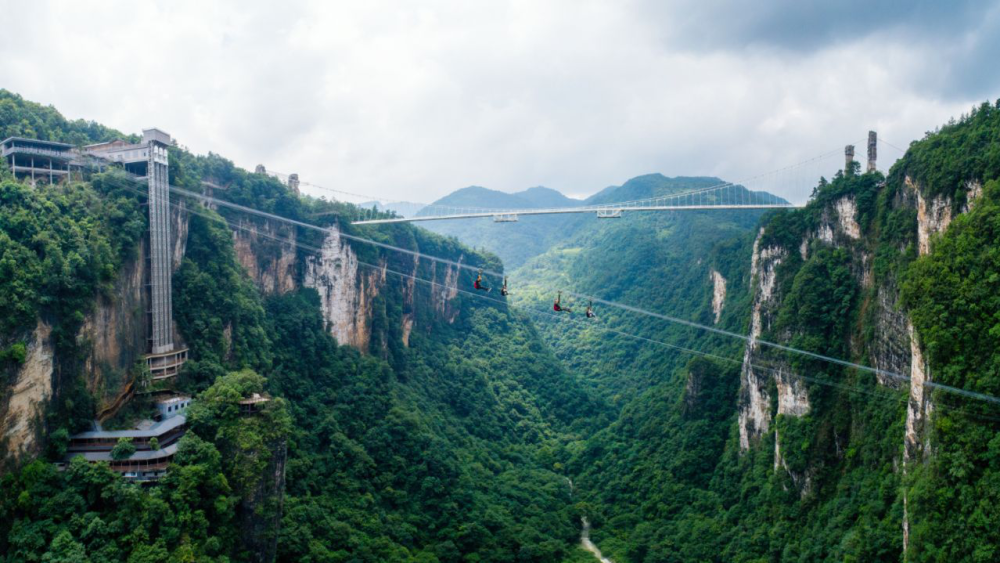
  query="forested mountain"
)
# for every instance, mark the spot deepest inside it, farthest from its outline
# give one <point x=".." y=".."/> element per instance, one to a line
<point x="780" y="456"/>
<point x="412" y="419"/>
<point x="433" y="431"/>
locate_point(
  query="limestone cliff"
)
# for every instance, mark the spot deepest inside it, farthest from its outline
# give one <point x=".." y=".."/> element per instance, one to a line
<point x="766" y="370"/>
<point x="344" y="292"/>
<point x="267" y="252"/>
<point x="718" y="293"/>
<point x="755" y="400"/>
<point x="348" y="289"/>
<point x="25" y="399"/>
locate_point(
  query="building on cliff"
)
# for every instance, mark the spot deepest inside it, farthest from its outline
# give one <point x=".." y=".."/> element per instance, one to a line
<point x="34" y="160"/>
<point x="37" y="161"/>
<point x="146" y="464"/>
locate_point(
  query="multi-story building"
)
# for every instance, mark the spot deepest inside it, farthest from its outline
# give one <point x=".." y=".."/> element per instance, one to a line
<point x="38" y="161"/>
<point x="147" y="463"/>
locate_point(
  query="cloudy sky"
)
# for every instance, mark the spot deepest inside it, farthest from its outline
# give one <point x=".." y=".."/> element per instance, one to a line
<point x="412" y="100"/>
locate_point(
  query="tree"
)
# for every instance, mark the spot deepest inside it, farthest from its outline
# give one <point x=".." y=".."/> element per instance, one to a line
<point x="154" y="443"/>
<point x="123" y="449"/>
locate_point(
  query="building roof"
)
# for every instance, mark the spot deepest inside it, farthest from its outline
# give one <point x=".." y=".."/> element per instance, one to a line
<point x="154" y="431"/>
<point x="141" y="455"/>
<point x="111" y="143"/>
<point x="55" y="144"/>
<point x="172" y="400"/>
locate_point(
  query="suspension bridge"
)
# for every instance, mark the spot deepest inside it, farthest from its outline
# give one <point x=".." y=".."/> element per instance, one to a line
<point x="755" y="192"/>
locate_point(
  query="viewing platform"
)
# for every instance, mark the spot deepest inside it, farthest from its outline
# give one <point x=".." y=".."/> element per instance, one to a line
<point x="37" y="160"/>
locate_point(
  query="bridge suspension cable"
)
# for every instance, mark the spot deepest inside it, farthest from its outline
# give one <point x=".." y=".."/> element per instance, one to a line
<point x="753" y="192"/>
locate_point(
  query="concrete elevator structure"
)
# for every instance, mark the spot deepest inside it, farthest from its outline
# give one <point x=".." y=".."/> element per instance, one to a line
<point x="149" y="160"/>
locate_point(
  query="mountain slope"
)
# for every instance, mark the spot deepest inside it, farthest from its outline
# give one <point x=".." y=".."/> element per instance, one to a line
<point x="804" y="460"/>
<point x="420" y="425"/>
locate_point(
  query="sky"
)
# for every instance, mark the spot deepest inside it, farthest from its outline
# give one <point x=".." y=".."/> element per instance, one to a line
<point x="413" y="100"/>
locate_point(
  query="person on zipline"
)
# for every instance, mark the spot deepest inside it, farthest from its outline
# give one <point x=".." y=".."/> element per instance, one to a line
<point x="479" y="283"/>
<point x="503" y="290"/>
<point x="558" y="308"/>
<point x="590" y="311"/>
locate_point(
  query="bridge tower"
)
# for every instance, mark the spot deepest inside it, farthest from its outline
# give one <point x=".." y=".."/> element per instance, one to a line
<point x="848" y="158"/>
<point x="872" y="150"/>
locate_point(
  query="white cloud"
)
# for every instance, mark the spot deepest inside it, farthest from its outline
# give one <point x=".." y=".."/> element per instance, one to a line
<point x="414" y="100"/>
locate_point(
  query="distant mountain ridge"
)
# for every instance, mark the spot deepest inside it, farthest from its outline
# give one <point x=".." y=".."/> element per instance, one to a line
<point x="478" y="196"/>
<point x="533" y="235"/>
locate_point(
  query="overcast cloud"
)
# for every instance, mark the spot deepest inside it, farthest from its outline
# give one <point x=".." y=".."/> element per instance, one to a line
<point x="414" y="100"/>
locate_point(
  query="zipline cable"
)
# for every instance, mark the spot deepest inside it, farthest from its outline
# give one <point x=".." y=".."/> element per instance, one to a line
<point x="888" y="395"/>
<point x="637" y="310"/>
<point x="759" y="366"/>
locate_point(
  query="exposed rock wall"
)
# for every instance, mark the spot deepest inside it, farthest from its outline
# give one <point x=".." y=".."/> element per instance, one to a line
<point x="267" y="253"/>
<point x="755" y="400"/>
<point x="343" y="293"/>
<point x="113" y="335"/>
<point x="718" y="294"/>
<point x="892" y="344"/>
<point x="26" y="397"/>
<point x="847" y="215"/>
<point x="933" y="217"/>
<point x="793" y="400"/>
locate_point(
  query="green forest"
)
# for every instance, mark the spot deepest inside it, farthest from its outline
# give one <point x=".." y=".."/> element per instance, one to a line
<point x="491" y="429"/>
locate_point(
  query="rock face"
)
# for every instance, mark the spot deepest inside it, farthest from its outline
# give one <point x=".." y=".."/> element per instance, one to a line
<point x="838" y="226"/>
<point x="755" y="401"/>
<point x="267" y="253"/>
<point x="718" y="293"/>
<point x="113" y="334"/>
<point x="847" y="213"/>
<point x="933" y="217"/>
<point x="793" y="400"/>
<point x="28" y="394"/>
<point x="344" y="294"/>
<point x="891" y="348"/>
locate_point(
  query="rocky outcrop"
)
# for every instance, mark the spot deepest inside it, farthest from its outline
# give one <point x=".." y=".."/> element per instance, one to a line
<point x="446" y="291"/>
<point x="267" y="253"/>
<point x="919" y="405"/>
<point x="755" y="400"/>
<point x="933" y="217"/>
<point x="113" y="335"/>
<point x="718" y="293"/>
<point x="891" y="345"/>
<point x="793" y="400"/>
<point x="847" y="215"/>
<point x="344" y="294"/>
<point x="26" y="398"/>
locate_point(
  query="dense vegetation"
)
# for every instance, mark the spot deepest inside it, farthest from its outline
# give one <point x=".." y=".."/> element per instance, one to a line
<point x="488" y="432"/>
<point x="448" y="449"/>
<point x="58" y="248"/>
<point x="954" y="294"/>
